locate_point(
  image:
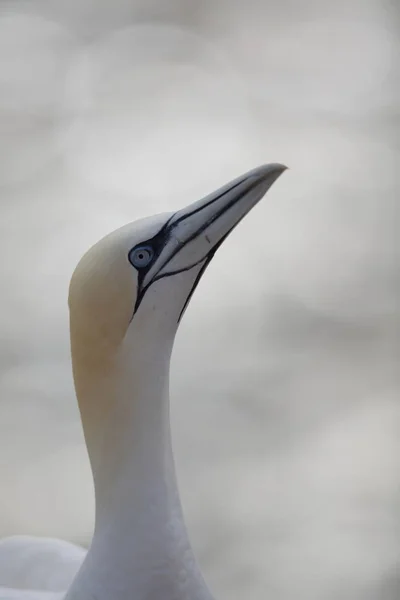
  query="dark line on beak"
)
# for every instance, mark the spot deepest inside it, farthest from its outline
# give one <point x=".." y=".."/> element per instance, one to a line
<point x="196" y="283"/>
<point x="210" y="256"/>
<point x="209" y="203"/>
<point x="206" y="224"/>
<point x="169" y="226"/>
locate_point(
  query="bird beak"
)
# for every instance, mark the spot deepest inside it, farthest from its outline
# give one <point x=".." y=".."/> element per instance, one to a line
<point x="196" y="231"/>
<point x="192" y="235"/>
<point x="207" y="222"/>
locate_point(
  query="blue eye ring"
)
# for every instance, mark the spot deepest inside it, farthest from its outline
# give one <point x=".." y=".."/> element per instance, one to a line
<point x="141" y="256"/>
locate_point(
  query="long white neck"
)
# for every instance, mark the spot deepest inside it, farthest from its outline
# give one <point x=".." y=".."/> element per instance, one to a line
<point x="140" y="549"/>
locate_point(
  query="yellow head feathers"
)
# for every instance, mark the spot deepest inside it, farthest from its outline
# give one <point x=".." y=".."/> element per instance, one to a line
<point x="102" y="297"/>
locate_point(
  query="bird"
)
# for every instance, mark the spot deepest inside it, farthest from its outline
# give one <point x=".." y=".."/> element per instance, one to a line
<point x="127" y="297"/>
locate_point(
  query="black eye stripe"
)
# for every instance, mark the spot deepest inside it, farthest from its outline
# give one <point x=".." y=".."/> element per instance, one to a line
<point x="166" y="230"/>
<point x="159" y="241"/>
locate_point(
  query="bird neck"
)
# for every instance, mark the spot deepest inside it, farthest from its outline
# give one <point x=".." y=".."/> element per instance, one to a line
<point x="140" y="546"/>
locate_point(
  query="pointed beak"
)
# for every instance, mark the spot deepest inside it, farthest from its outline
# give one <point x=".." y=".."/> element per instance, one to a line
<point x="192" y="235"/>
<point x="198" y="230"/>
<point x="217" y="214"/>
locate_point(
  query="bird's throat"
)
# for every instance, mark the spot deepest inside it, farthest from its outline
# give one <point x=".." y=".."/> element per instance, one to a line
<point x="140" y="542"/>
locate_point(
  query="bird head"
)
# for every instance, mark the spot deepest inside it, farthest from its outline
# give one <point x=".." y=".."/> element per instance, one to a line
<point x="130" y="290"/>
<point x="143" y="275"/>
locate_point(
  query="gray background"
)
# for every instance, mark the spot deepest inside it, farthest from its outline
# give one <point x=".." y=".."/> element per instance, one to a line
<point x="285" y="406"/>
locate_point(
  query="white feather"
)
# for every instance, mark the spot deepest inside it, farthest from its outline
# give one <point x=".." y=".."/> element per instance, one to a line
<point x="33" y="563"/>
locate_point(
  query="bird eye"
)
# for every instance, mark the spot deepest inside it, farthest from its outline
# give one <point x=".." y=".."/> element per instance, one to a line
<point x="141" y="256"/>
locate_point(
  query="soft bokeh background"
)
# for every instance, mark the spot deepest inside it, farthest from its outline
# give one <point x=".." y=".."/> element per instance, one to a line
<point x="286" y="410"/>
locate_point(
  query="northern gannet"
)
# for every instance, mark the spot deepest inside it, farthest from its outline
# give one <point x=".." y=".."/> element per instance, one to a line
<point x="126" y="299"/>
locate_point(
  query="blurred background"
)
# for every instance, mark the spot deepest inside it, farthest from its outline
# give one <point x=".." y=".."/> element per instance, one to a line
<point x="285" y="396"/>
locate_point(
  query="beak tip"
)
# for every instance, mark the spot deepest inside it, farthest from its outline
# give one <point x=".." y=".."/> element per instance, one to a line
<point x="276" y="167"/>
<point x="269" y="172"/>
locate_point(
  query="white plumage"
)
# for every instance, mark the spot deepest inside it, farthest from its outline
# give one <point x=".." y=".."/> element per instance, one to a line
<point x="127" y="297"/>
